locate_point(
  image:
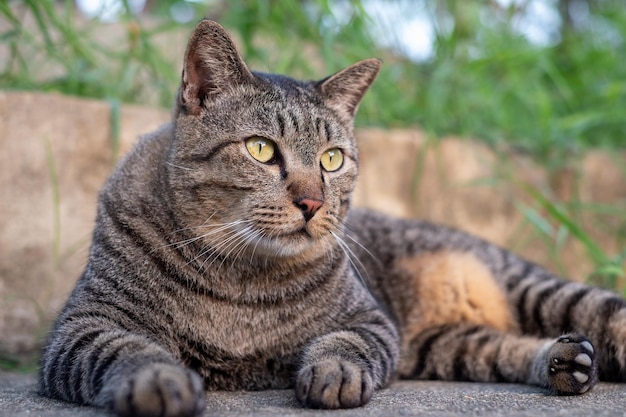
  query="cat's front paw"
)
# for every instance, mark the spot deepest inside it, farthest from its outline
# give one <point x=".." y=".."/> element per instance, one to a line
<point x="334" y="384"/>
<point x="572" y="365"/>
<point x="161" y="390"/>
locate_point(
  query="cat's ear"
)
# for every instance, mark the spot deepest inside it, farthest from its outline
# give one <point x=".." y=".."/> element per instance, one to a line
<point x="212" y="65"/>
<point x="344" y="90"/>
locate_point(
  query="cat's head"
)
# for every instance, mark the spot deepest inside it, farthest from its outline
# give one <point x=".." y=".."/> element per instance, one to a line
<point x="262" y="164"/>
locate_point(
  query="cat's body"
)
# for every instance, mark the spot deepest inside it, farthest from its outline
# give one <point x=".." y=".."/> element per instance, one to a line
<point x="225" y="248"/>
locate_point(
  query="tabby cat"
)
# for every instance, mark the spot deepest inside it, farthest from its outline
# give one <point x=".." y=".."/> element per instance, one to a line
<point x="226" y="256"/>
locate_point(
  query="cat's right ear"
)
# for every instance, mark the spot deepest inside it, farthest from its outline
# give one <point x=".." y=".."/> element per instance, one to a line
<point x="212" y="65"/>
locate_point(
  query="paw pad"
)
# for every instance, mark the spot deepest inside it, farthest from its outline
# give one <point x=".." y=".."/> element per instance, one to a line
<point x="571" y="365"/>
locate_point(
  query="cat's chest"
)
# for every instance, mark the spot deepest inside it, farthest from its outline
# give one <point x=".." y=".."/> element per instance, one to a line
<point x="244" y="329"/>
<point x="271" y="313"/>
<point x="231" y="327"/>
<point x="241" y="330"/>
<point x="257" y="345"/>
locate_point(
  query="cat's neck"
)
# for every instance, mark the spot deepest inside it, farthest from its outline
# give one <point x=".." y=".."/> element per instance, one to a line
<point x="264" y="279"/>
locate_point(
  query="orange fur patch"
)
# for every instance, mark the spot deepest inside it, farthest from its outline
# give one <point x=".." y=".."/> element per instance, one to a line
<point x="453" y="287"/>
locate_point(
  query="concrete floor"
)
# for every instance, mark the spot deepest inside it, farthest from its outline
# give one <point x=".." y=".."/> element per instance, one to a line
<point x="405" y="398"/>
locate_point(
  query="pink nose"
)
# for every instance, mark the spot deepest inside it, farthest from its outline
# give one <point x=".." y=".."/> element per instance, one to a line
<point x="308" y="206"/>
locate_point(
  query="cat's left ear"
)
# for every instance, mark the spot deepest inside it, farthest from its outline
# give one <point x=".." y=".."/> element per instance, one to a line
<point x="344" y="90"/>
<point x="212" y="65"/>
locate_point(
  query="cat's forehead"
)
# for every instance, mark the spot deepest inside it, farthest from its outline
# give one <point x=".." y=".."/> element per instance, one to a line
<point x="289" y="90"/>
<point x="295" y="116"/>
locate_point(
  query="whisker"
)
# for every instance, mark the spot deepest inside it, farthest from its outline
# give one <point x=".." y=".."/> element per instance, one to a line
<point x="239" y="240"/>
<point x="185" y="242"/>
<point x="214" y="250"/>
<point x="350" y="254"/>
<point x="347" y="234"/>
<point x="206" y="250"/>
<point x="232" y="235"/>
<point x="178" y="166"/>
<point x="182" y="243"/>
<point x="250" y="237"/>
<point x="260" y="236"/>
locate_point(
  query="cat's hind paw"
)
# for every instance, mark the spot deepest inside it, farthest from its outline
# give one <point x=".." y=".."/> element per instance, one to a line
<point x="334" y="384"/>
<point x="572" y="367"/>
<point x="161" y="390"/>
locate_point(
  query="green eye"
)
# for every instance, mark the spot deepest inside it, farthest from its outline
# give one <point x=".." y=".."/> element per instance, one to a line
<point x="261" y="149"/>
<point x="332" y="159"/>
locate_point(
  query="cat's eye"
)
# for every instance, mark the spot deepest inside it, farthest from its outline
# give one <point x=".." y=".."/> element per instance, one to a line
<point x="261" y="149"/>
<point x="332" y="159"/>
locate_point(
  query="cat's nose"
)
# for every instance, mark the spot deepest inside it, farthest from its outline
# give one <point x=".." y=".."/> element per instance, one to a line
<point x="309" y="207"/>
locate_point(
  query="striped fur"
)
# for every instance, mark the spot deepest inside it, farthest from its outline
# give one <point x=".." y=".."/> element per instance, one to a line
<point x="211" y="270"/>
<point x="542" y="343"/>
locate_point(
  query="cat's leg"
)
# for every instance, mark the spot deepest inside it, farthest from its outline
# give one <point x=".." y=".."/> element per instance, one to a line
<point x="466" y="352"/>
<point x="548" y="306"/>
<point x="89" y="361"/>
<point x="433" y="265"/>
<point x="342" y="369"/>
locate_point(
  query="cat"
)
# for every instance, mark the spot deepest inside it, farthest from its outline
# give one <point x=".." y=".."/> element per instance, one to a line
<point x="226" y="256"/>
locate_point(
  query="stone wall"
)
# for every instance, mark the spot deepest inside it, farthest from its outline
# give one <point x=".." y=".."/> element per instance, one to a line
<point x="464" y="184"/>
<point x="57" y="151"/>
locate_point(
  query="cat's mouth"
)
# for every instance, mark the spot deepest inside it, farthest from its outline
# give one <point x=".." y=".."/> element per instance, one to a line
<point x="280" y="239"/>
<point x="303" y="232"/>
<point x="297" y="231"/>
<point x="296" y="235"/>
<point x="290" y="243"/>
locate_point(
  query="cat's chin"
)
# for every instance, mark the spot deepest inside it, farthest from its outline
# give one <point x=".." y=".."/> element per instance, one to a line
<point x="294" y="244"/>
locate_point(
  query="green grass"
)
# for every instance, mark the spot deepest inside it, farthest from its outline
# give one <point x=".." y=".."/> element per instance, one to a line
<point x="484" y="81"/>
<point x="558" y="221"/>
<point x="19" y="365"/>
<point x="66" y="54"/>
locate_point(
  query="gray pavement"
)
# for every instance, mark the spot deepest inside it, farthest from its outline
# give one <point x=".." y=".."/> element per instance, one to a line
<point x="414" y="398"/>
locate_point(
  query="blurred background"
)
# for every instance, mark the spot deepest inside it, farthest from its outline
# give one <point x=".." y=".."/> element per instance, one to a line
<point x="545" y="76"/>
<point x="542" y="80"/>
